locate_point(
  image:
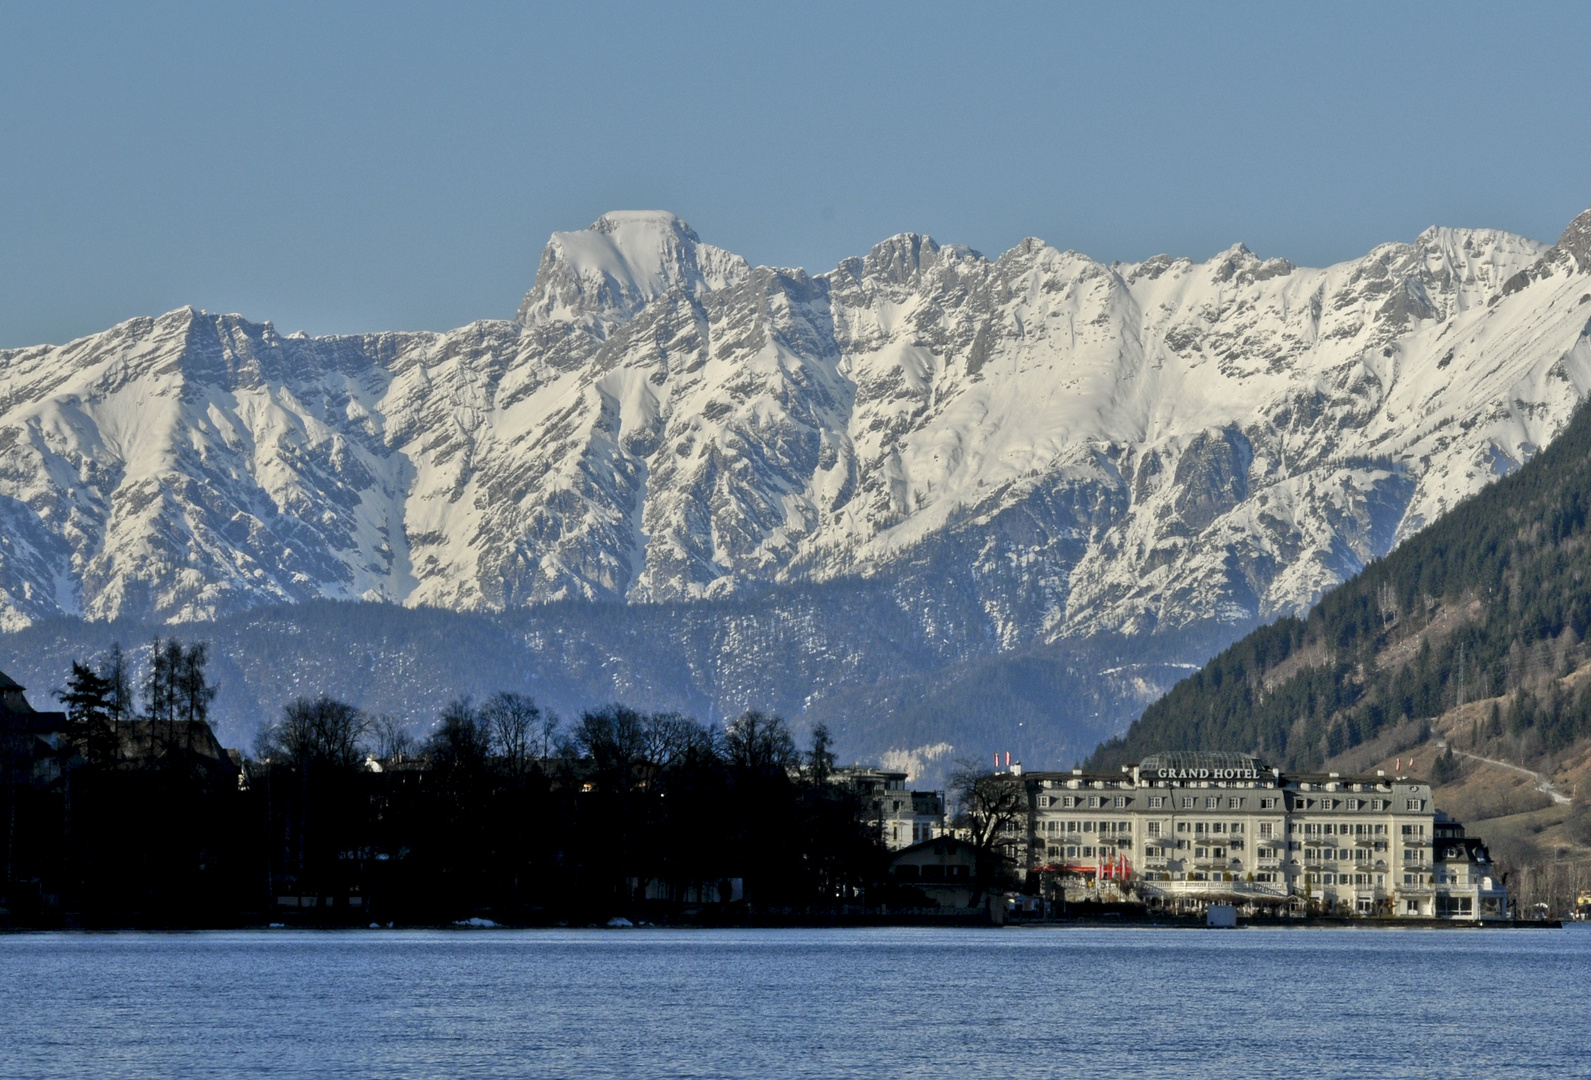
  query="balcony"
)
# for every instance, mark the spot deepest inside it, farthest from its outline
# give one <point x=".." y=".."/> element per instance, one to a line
<point x="1256" y="890"/>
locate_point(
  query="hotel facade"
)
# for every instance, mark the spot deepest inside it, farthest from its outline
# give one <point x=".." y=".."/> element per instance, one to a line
<point x="1184" y="830"/>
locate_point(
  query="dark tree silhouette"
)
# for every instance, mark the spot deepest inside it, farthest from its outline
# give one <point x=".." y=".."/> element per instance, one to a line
<point x="316" y="731"/>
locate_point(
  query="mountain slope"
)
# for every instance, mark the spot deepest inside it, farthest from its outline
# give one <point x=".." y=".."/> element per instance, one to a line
<point x="1480" y="617"/>
<point x="1010" y="454"/>
<point x="1083" y="447"/>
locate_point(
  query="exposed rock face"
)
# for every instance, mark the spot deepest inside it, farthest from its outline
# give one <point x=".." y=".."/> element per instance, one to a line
<point x="1026" y="448"/>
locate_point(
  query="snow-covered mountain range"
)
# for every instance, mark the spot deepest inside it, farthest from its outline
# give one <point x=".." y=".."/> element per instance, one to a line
<point x="1126" y="446"/>
<point x="1040" y="444"/>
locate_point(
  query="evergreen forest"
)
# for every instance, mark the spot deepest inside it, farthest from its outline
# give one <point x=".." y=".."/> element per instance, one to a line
<point x="1492" y="601"/>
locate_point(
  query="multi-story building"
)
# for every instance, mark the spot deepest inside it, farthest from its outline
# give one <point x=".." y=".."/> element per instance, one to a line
<point x="903" y="817"/>
<point x="1193" y="828"/>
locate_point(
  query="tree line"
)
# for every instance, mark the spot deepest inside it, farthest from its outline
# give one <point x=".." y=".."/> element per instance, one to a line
<point x="502" y="810"/>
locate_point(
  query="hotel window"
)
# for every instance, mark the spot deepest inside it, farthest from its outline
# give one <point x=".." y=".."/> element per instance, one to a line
<point x="1088" y="853"/>
<point x="1236" y="826"/>
<point x="1182" y="826"/>
<point x="1327" y="804"/>
<point x="1074" y="826"/>
<point x="1187" y="802"/>
<point x="1416" y="805"/>
<point x="1234" y="803"/>
<point x="1156" y="802"/>
<point x="1212" y="802"/>
<point x="1093" y="802"/>
<point x="1152" y="828"/>
<point x="1265" y="876"/>
<point x="1069" y="801"/>
<point x="1218" y="853"/>
<point x="1088" y="826"/>
<point x="1353" y="804"/>
<point x="1043" y="802"/>
<point x="1267" y="804"/>
<point x="1200" y="853"/>
<point x="1119" y="802"/>
<point x="1124" y="826"/>
<point x="1071" y="853"/>
<point x="1267" y="828"/>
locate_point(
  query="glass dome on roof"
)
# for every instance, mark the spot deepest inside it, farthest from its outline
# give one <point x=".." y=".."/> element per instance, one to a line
<point x="1211" y="762"/>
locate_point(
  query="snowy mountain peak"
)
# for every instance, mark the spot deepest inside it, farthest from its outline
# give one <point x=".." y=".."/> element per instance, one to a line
<point x="1576" y="241"/>
<point x="637" y="221"/>
<point x="1030" y="447"/>
<point x="600" y="276"/>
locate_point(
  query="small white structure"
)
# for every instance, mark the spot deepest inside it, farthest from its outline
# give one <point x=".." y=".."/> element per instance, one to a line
<point x="1221" y="916"/>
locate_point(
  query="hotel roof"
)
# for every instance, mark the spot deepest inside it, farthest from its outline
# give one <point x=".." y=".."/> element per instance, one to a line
<point x="1213" y="760"/>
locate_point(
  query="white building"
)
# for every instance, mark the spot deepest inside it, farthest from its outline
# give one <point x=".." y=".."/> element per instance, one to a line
<point x="902" y="817"/>
<point x="1183" y="830"/>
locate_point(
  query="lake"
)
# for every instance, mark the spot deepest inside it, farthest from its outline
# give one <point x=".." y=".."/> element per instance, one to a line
<point x="886" y="1004"/>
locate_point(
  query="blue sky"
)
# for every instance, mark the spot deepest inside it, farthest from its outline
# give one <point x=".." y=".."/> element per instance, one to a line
<point x="348" y="167"/>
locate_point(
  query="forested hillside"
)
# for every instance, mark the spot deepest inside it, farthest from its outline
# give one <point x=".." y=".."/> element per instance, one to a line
<point x="1487" y="606"/>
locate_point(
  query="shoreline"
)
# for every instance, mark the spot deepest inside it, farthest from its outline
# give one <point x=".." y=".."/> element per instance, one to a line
<point x="1088" y="922"/>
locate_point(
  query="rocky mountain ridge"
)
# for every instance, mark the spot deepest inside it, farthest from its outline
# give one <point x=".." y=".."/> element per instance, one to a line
<point x="1020" y="450"/>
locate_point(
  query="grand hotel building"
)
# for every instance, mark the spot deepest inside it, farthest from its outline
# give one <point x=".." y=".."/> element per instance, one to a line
<point x="1193" y="828"/>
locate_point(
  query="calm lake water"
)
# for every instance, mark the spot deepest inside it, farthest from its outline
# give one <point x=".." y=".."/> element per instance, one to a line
<point x="880" y="1004"/>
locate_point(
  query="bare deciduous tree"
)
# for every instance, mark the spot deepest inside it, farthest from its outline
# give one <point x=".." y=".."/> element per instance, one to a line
<point x="757" y="742"/>
<point x="394" y="742"/>
<point x="462" y="741"/>
<point x="316" y="730"/>
<point x="990" y="808"/>
<point x="513" y="722"/>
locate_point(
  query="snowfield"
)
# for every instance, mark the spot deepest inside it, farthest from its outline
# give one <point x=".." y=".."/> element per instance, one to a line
<point x="1058" y="445"/>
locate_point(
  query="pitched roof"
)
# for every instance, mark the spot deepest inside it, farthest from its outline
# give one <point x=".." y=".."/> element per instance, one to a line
<point x="7" y="683"/>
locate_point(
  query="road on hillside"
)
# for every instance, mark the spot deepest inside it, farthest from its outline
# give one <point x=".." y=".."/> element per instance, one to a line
<point x="1543" y="785"/>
